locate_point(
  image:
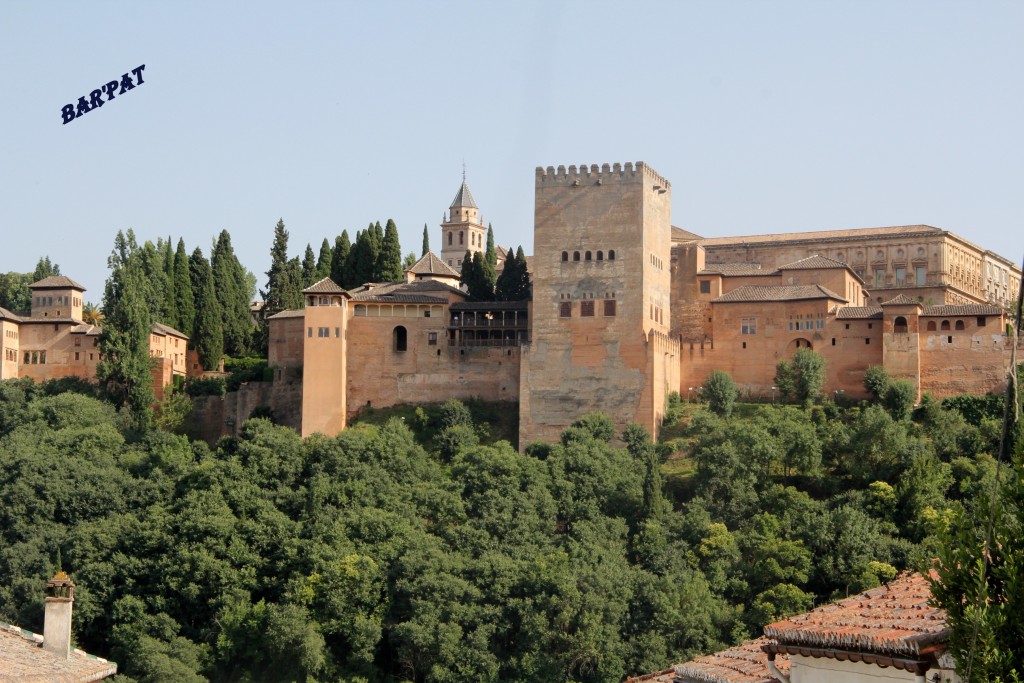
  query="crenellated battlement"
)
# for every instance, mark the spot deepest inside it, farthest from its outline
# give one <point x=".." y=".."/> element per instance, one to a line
<point x="597" y="175"/>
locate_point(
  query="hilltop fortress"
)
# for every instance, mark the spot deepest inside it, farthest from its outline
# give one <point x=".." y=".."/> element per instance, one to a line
<point x="625" y="309"/>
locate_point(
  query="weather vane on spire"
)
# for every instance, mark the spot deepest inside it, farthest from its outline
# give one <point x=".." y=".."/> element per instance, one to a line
<point x="463" y="169"/>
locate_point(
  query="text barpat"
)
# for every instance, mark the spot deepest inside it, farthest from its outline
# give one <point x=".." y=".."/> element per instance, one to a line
<point x="70" y="112"/>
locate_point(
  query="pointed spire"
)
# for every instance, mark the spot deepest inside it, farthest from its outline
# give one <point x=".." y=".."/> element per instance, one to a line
<point x="464" y="198"/>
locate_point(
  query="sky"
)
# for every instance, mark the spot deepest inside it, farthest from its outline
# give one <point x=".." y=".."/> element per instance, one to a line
<point x="764" y="116"/>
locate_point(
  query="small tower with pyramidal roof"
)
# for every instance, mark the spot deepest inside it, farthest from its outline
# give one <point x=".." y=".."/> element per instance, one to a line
<point x="462" y="230"/>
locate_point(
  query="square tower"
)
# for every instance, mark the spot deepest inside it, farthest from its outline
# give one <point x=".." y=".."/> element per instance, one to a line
<point x="601" y="283"/>
<point x="462" y="230"/>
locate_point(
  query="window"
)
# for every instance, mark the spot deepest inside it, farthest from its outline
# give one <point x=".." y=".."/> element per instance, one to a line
<point x="899" y="325"/>
<point x="790" y="325"/>
<point x="565" y="256"/>
<point x="609" y="308"/>
<point x="931" y="325"/>
<point x="426" y="312"/>
<point x="588" y="257"/>
<point x="432" y="338"/>
<point x="901" y="276"/>
<point x="27" y="356"/>
<point x="449" y="241"/>
<point x="337" y="332"/>
<point x="611" y="254"/>
<point x="879" y="277"/>
<point x="323" y="332"/>
<point x="309" y="332"/>
<point x="867" y="340"/>
<point x="981" y="321"/>
<point x="360" y="311"/>
<point x="748" y="326"/>
<point x="401" y="338"/>
<point x="461" y="241"/>
<point x="76" y="355"/>
<point x="587" y="309"/>
<point x="921" y="275"/>
<point x="705" y="286"/>
<point x="833" y="341"/>
<point x="600" y="255"/>
<point x="575" y="256"/>
<point x="959" y="325"/>
<point x="565" y="309"/>
<point x="944" y="325"/>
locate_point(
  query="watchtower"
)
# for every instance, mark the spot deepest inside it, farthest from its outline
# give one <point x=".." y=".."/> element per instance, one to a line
<point x="601" y="288"/>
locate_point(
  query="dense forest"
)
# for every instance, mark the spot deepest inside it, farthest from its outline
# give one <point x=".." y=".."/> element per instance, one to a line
<point x="421" y="550"/>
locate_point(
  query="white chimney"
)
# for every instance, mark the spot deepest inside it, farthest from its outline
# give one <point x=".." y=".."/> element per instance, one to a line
<point x="60" y="594"/>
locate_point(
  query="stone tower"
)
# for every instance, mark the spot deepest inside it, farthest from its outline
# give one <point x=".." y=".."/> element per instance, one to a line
<point x="462" y="230"/>
<point x="601" y="283"/>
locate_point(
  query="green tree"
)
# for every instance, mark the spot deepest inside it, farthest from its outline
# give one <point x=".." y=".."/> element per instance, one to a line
<point x="44" y="269"/>
<point x="169" y="308"/>
<point x="125" y="368"/>
<point x="474" y="276"/>
<point x="491" y="253"/>
<point x="720" y="392"/>
<point x="340" y="261"/>
<point x="899" y="398"/>
<point x="323" y="261"/>
<point x="426" y="241"/>
<point x="309" y="267"/>
<point x="389" y="264"/>
<point x="234" y="288"/>
<point x="208" y="338"/>
<point x="362" y="259"/>
<point x="802" y="378"/>
<point x="184" y="297"/>
<point x="284" y="287"/>
<point x="876" y="381"/>
<point x="15" y="295"/>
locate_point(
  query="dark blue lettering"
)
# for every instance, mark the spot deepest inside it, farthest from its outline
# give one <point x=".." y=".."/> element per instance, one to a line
<point x="68" y="113"/>
<point x="96" y="99"/>
<point x="126" y="84"/>
<point x="83" y="106"/>
<point x="110" y="88"/>
<point x="138" y="73"/>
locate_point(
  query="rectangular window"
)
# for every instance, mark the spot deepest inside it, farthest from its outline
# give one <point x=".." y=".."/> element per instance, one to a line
<point x="27" y="356"/>
<point x="337" y="332"/>
<point x="432" y="338"/>
<point x="748" y="326"/>
<point x="791" y="326"/>
<point x="833" y="341"/>
<point x="921" y="275"/>
<point x="78" y="340"/>
<point x="587" y="309"/>
<point x="309" y="332"/>
<point x="609" y="308"/>
<point x="705" y="286"/>
<point x="426" y="312"/>
<point x="76" y="355"/>
<point x="901" y="276"/>
<point x="879" y="277"/>
<point x="565" y="309"/>
<point x="323" y="332"/>
<point x="867" y="340"/>
<point x="981" y="321"/>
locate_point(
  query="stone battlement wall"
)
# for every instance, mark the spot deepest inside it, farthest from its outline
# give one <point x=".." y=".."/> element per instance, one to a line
<point x="609" y="173"/>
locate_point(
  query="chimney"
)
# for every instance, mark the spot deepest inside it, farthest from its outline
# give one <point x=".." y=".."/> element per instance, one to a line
<point x="60" y="593"/>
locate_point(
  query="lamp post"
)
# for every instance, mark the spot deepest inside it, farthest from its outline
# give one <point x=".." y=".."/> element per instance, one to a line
<point x="689" y="390"/>
<point x="773" y="395"/>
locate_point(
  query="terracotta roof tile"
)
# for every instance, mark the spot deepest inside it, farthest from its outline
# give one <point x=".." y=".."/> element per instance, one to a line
<point x="160" y="328"/>
<point x="325" y="286"/>
<point x="431" y="264"/>
<point x="733" y="269"/>
<point x="680" y="235"/>
<point x="56" y="282"/>
<point x="8" y="315"/>
<point x="749" y="293"/>
<point x="293" y="313"/>
<point x="901" y="300"/>
<point x="814" y="263"/>
<point x="858" y="312"/>
<point x="894" y="619"/>
<point x="22" y="658"/>
<point x="962" y="309"/>
<point x="388" y="298"/>
<point x="746" y="663"/>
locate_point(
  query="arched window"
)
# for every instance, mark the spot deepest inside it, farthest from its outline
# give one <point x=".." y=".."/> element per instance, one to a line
<point x="401" y="338"/>
<point x="600" y="255"/>
<point x="959" y="324"/>
<point x="899" y="325"/>
<point x="611" y="254"/>
<point x="565" y="256"/>
<point x="931" y="325"/>
<point x="360" y="311"/>
<point x="575" y="256"/>
<point x="461" y="238"/>
<point x="944" y="325"/>
<point x="588" y="257"/>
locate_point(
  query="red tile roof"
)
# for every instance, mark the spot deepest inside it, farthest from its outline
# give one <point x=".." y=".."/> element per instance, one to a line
<point x="963" y="309"/>
<point x="894" y="619"/>
<point x="901" y="300"/>
<point x="814" y="263"/>
<point x="746" y="663"/>
<point x="857" y="312"/>
<point x="733" y="269"/>
<point x="324" y="286"/>
<point x="56" y="282"/>
<point x="749" y="293"/>
<point x="430" y="264"/>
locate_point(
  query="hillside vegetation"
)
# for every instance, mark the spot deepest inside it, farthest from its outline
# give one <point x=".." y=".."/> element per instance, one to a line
<point x="424" y="552"/>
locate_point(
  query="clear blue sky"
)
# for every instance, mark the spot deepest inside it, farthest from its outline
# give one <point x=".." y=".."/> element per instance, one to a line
<point x="765" y="116"/>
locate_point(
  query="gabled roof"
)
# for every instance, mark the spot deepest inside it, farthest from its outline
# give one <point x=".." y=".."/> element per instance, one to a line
<point x="415" y="292"/>
<point x="680" y="235"/>
<point x="7" y="315"/>
<point x="325" y="286"/>
<point x="858" y="312"/>
<point x="749" y="293"/>
<point x="901" y="300"/>
<point x="733" y="269"/>
<point x="167" y="330"/>
<point x="896" y="619"/>
<point x="56" y="282"/>
<point x="22" y="658"/>
<point x="431" y="264"/>
<point x="464" y="198"/>
<point x="746" y="663"/>
<point x="961" y="309"/>
<point x="292" y="313"/>
<point x="815" y="262"/>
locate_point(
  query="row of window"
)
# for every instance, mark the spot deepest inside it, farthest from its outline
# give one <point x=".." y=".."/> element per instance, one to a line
<point x="588" y="256"/>
<point x="944" y="325"/>
<point x="657" y="262"/>
<point x="10" y="354"/>
<point x="397" y="311"/>
<point x="78" y="340"/>
<point x="475" y="240"/>
<point x="78" y="356"/>
<point x="797" y="326"/>
<point x="323" y="332"/>
<point x="921" y="276"/>
<point x="35" y="358"/>
<point x="586" y="308"/>
<point x="11" y="334"/>
<point x="61" y="301"/>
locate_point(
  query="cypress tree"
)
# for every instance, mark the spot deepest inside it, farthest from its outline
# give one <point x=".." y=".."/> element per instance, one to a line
<point x="231" y="285"/>
<point x="514" y="282"/>
<point x="169" y="308"/>
<point x="361" y="264"/>
<point x="323" y="262"/>
<point x="467" y="276"/>
<point x="426" y="240"/>
<point x="389" y="258"/>
<point x="184" y="299"/>
<point x="209" y="331"/>
<point x="339" y="260"/>
<point x="45" y="269"/>
<point x="491" y="253"/>
<point x="284" y="288"/>
<point x="308" y="267"/>
<point x="153" y="272"/>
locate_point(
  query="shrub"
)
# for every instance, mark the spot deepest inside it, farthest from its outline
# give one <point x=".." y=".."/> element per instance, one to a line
<point x="720" y="392"/>
<point x="206" y="386"/>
